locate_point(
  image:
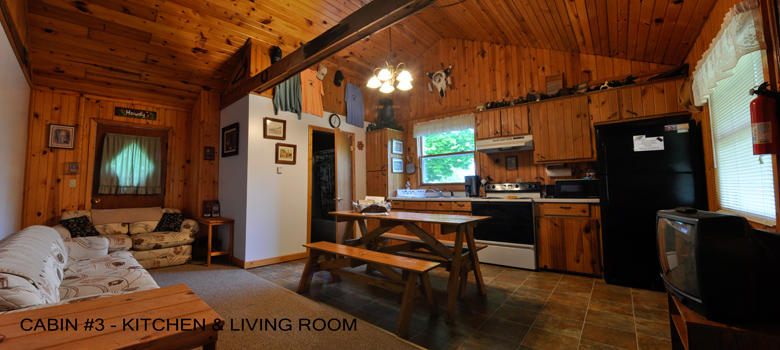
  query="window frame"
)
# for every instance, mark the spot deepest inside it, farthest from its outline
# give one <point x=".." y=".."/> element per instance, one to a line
<point x="422" y="157"/>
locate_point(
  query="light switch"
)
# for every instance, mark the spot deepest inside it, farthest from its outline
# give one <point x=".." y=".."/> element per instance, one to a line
<point x="72" y="183"/>
<point x="278" y="170"/>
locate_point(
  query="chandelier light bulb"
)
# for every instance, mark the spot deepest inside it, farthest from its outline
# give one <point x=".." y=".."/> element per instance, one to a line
<point x="404" y="85"/>
<point x="387" y="87"/>
<point x="374" y="83"/>
<point x="384" y="74"/>
<point x="404" y="77"/>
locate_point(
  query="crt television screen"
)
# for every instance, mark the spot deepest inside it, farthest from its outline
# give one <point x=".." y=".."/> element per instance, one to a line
<point x="678" y="256"/>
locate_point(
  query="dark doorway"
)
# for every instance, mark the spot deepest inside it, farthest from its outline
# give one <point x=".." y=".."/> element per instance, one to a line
<point x="323" y="225"/>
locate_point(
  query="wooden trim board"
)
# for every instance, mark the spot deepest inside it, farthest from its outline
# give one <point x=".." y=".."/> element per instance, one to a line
<point x="269" y="261"/>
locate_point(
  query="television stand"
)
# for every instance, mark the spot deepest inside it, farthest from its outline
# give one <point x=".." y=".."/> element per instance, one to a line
<point x="691" y="331"/>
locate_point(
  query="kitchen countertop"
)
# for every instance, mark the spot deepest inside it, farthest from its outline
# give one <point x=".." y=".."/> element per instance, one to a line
<point x="468" y="199"/>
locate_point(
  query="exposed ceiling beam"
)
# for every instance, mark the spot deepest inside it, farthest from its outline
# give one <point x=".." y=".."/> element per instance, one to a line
<point x="366" y="20"/>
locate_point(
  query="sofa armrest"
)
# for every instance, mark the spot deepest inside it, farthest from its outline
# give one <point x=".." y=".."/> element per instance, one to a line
<point x="64" y="233"/>
<point x="190" y="226"/>
<point x="118" y="243"/>
<point x="86" y="247"/>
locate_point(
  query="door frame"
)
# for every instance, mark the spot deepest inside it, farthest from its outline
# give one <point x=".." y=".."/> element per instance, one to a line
<point x="312" y="129"/>
<point x="93" y="153"/>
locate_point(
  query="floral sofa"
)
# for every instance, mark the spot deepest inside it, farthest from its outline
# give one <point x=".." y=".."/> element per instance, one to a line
<point x="38" y="268"/>
<point x="133" y="229"/>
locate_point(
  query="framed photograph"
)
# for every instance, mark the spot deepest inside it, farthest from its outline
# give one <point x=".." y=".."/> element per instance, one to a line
<point x="397" y="147"/>
<point x="208" y="153"/>
<point x="274" y="129"/>
<point x="511" y="163"/>
<point x="398" y="165"/>
<point x="61" y="136"/>
<point x="230" y="140"/>
<point x="581" y="88"/>
<point x="215" y="209"/>
<point x="206" y="209"/>
<point x="285" y="153"/>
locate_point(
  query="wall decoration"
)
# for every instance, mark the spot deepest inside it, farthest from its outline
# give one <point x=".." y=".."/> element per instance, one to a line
<point x="230" y="140"/>
<point x="360" y="145"/>
<point x="334" y="120"/>
<point x="440" y="80"/>
<point x="135" y="113"/>
<point x="511" y="163"/>
<point x="397" y="147"/>
<point x="71" y="168"/>
<point x="206" y="209"/>
<point x="61" y="136"/>
<point x="554" y="83"/>
<point x="398" y="165"/>
<point x="274" y="129"/>
<point x="285" y="153"/>
<point x="208" y="153"/>
<point x="581" y="88"/>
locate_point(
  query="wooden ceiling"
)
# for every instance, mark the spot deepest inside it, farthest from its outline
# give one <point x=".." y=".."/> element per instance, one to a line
<point x="166" y="51"/>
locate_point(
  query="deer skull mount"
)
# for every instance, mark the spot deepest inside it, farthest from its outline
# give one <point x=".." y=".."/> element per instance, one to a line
<point x="440" y="80"/>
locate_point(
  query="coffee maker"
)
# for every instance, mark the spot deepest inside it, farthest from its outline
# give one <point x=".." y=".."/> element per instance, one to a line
<point x="473" y="183"/>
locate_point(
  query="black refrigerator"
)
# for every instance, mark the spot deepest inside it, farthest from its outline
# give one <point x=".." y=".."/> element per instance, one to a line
<point x="644" y="166"/>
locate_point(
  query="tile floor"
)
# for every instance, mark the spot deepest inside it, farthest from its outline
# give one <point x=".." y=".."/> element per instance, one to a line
<point x="522" y="310"/>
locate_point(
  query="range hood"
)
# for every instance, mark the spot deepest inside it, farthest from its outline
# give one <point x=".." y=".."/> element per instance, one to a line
<point x="504" y="144"/>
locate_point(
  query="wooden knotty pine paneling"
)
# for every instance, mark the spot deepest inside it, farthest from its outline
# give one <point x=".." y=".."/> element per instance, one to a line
<point x="46" y="192"/>
<point x="204" y="132"/>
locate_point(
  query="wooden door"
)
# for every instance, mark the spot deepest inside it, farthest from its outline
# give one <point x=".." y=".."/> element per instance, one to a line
<point x="488" y="125"/>
<point x="376" y="150"/>
<point x="344" y="176"/>
<point x="514" y="121"/>
<point x="115" y="201"/>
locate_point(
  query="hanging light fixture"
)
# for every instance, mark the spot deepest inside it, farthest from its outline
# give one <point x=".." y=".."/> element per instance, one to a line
<point x="386" y="77"/>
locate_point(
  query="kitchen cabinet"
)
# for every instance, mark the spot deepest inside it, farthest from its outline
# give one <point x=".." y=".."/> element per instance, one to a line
<point x="568" y="237"/>
<point x="604" y="107"/>
<point x="562" y="130"/>
<point x="651" y="99"/>
<point x="503" y="122"/>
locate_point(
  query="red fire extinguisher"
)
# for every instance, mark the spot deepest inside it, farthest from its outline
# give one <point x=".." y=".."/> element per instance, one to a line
<point x="763" y="120"/>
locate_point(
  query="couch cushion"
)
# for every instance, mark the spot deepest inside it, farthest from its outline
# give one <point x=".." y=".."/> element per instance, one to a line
<point x="142" y="227"/>
<point x="23" y="253"/>
<point x="20" y="293"/>
<point x="115" y="273"/>
<point x="170" y="222"/>
<point x="118" y="243"/>
<point x="79" y="227"/>
<point x="107" y="216"/>
<point x="172" y="256"/>
<point x="86" y="247"/>
<point x="116" y="228"/>
<point x="158" y="240"/>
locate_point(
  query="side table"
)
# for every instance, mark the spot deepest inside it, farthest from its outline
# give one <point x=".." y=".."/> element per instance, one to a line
<point x="209" y="223"/>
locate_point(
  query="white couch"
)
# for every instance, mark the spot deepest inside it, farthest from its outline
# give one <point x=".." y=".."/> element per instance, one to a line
<point x="132" y="229"/>
<point x="38" y="269"/>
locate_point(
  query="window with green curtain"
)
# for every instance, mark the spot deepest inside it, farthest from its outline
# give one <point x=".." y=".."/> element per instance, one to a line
<point x="131" y="164"/>
<point x="744" y="183"/>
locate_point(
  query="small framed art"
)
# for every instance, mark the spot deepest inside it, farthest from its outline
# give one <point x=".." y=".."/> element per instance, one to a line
<point x="61" y="136"/>
<point x="398" y="165"/>
<point x="274" y="128"/>
<point x="230" y="140"/>
<point x="208" y="153"/>
<point x="397" y="147"/>
<point x="285" y="153"/>
<point x="511" y="163"/>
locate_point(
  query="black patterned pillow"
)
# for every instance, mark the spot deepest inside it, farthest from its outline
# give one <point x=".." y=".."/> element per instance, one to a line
<point x="79" y="226"/>
<point x="170" y="222"/>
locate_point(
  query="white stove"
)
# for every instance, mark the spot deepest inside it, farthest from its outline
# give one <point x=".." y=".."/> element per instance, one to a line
<point x="510" y="234"/>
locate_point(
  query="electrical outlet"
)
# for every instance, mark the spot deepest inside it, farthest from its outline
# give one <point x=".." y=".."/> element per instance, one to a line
<point x="519" y="180"/>
<point x="72" y="183"/>
<point x="278" y="170"/>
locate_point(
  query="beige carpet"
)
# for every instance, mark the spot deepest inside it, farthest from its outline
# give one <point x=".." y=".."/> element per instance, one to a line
<point x="238" y="295"/>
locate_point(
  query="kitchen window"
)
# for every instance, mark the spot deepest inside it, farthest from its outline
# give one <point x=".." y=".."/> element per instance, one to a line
<point x="446" y="149"/>
<point x="744" y="183"/>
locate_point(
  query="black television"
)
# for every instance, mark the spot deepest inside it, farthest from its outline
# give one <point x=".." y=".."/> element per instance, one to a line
<point x="719" y="266"/>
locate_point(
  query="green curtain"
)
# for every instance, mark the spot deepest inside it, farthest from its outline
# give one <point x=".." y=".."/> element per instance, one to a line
<point x="131" y="165"/>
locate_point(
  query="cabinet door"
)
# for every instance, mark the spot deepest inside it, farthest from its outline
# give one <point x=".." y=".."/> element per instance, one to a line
<point x="376" y="150"/>
<point x="540" y="128"/>
<point x="551" y="244"/>
<point x="514" y="121"/>
<point x="632" y="103"/>
<point x="605" y="107"/>
<point x="561" y="130"/>
<point x="569" y="244"/>
<point x="488" y="125"/>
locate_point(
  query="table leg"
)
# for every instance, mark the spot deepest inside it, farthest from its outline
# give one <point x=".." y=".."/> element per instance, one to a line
<point x="452" y="285"/>
<point x="405" y="317"/>
<point x="308" y="271"/>
<point x="475" y="259"/>
<point x="208" y="247"/>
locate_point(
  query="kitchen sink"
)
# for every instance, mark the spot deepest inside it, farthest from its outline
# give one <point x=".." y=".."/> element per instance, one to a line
<point x="411" y="193"/>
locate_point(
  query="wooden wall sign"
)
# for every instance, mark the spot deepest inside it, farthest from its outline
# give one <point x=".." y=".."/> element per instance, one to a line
<point x="135" y="113"/>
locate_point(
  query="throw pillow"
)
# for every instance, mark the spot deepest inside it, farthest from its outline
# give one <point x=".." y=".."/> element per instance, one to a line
<point x="79" y="226"/>
<point x="170" y="222"/>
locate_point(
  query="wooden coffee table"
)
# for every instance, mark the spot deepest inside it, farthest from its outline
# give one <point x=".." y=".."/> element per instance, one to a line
<point x="118" y="322"/>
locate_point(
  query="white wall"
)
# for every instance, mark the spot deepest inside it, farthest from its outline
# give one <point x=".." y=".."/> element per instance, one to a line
<point x="14" y="99"/>
<point x="274" y="222"/>
<point x="233" y="176"/>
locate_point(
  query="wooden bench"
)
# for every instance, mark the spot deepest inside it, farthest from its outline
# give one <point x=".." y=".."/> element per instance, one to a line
<point x="413" y="239"/>
<point x="337" y="257"/>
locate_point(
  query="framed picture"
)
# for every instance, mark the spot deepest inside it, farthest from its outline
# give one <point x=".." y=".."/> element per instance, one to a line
<point x="206" y="209"/>
<point x="581" y="88"/>
<point x="72" y="168"/>
<point x="398" y="165"/>
<point x="511" y="163"/>
<point x="274" y="129"/>
<point x="215" y="209"/>
<point x="208" y="153"/>
<point x="285" y="153"/>
<point x="61" y="136"/>
<point x="397" y="147"/>
<point x="230" y="140"/>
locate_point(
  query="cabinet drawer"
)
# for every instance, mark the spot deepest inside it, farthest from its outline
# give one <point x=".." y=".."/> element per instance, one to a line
<point x="397" y="205"/>
<point x="438" y="206"/>
<point x="564" y="209"/>
<point x="413" y="205"/>
<point x="461" y="206"/>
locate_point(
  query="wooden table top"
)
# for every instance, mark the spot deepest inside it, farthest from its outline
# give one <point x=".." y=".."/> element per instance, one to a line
<point x="214" y="221"/>
<point x="115" y="314"/>
<point x="447" y="219"/>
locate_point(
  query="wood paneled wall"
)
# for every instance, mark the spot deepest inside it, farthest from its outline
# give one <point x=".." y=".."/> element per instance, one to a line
<point x="204" y="132"/>
<point x="13" y="16"/>
<point x="47" y="194"/>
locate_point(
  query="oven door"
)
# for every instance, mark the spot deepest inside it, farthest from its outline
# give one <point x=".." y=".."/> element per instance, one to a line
<point x="511" y="223"/>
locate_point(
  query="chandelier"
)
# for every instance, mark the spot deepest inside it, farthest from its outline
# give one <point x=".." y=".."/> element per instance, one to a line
<point x="388" y="75"/>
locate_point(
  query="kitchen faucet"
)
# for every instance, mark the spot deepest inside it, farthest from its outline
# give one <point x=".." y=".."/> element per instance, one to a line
<point x="437" y="191"/>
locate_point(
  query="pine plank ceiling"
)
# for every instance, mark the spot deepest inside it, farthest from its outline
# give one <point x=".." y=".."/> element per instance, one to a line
<point x="166" y="51"/>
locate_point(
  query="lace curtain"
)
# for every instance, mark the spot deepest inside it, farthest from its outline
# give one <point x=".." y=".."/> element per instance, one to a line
<point x="131" y="165"/>
<point x="438" y="126"/>
<point x="740" y="34"/>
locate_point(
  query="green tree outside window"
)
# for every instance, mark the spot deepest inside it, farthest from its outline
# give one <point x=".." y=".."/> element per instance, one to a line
<point x="444" y="160"/>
